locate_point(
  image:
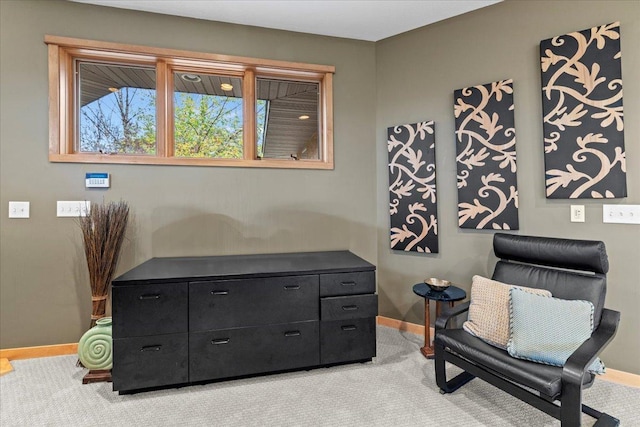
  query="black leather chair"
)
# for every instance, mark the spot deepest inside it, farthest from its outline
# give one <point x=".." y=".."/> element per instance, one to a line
<point x="569" y="269"/>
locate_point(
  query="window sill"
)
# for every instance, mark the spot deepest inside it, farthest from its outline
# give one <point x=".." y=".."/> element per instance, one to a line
<point x="177" y="161"/>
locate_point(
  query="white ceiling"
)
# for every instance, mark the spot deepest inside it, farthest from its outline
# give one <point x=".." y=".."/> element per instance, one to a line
<point x="354" y="19"/>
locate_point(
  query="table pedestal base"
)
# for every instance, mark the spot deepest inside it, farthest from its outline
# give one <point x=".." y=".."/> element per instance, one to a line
<point x="427" y="350"/>
<point x="449" y="295"/>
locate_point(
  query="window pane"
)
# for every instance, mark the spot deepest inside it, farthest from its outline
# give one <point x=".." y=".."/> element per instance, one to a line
<point x="117" y="111"/>
<point x="262" y="106"/>
<point x="288" y="111"/>
<point x="207" y="116"/>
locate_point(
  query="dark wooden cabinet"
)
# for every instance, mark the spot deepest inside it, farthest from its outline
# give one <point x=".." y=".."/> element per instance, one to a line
<point x="185" y="320"/>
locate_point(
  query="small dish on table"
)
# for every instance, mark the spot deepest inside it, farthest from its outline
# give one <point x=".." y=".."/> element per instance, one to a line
<point x="438" y="285"/>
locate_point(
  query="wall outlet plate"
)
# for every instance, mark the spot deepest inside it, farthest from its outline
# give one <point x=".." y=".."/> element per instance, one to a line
<point x="577" y="213"/>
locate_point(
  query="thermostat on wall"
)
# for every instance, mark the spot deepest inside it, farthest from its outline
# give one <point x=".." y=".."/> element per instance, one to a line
<point x="97" y="180"/>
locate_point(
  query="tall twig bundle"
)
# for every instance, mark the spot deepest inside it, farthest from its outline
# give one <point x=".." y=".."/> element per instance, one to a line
<point x="103" y="232"/>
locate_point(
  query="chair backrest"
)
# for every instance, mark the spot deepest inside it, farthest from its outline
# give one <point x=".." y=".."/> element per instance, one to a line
<point x="569" y="269"/>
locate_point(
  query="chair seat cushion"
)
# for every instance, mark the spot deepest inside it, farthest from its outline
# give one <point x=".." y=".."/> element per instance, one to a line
<point x="543" y="378"/>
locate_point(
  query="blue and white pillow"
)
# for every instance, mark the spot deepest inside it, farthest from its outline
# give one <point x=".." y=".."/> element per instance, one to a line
<point x="548" y="330"/>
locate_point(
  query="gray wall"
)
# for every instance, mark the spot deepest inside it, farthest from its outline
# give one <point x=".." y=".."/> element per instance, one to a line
<point x="417" y="73"/>
<point x="44" y="289"/>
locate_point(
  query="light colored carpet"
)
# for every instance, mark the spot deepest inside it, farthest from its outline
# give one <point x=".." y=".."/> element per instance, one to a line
<point x="397" y="389"/>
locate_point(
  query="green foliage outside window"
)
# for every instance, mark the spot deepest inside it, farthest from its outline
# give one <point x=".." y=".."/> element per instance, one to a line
<point x="204" y="125"/>
<point x="208" y="126"/>
<point x="122" y="122"/>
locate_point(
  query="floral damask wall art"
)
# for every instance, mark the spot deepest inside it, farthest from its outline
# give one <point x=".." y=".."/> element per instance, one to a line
<point x="486" y="157"/>
<point x="412" y="187"/>
<point x="583" y="120"/>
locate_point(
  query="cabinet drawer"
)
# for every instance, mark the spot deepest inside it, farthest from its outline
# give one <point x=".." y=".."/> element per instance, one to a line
<point x="347" y="340"/>
<point x="362" y="282"/>
<point x="149" y="309"/>
<point x="244" y="351"/>
<point x="350" y="307"/>
<point x="152" y="361"/>
<point x="228" y="304"/>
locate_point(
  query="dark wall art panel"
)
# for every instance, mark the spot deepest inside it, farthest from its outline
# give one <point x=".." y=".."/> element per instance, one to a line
<point x="583" y="120"/>
<point x="412" y="187"/>
<point x="486" y="156"/>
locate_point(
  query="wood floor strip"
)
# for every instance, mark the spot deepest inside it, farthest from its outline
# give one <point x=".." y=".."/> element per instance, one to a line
<point x="5" y="366"/>
<point x="621" y="377"/>
<point x="612" y="375"/>
<point x="401" y="325"/>
<point x="39" y="351"/>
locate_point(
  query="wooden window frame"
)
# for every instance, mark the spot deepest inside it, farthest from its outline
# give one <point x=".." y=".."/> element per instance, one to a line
<point x="63" y="51"/>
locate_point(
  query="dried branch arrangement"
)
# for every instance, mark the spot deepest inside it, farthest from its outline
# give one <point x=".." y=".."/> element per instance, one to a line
<point x="103" y="231"/>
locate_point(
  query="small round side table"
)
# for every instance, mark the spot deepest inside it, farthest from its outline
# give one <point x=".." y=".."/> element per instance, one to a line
<point x="451" y="294"/>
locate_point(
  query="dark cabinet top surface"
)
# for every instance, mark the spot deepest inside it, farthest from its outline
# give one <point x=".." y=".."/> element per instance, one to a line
<point x="158" y="270"/>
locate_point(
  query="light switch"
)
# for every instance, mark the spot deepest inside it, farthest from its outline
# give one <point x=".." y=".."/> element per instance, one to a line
<point x="18" y="209"/>
<point x="73" y="208"/>
<point x="621" y="214"/>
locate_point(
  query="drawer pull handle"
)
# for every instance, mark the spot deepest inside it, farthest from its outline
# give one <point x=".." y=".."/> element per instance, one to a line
<point x="151" y="348"/>
<point x="292" y="287"/>
<point x="220" y="341"/>
<point x="349" y="328"/>
<point x="348" y="283"/>
<point x="219" y="292"/>
<point x="292" y="334"/>
<point x="149" y="296"/>
<point x="349" y="307"/>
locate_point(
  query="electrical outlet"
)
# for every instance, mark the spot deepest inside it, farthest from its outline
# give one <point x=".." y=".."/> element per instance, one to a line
<point x="621" y="214"/>
<point x="73" y="209"/>
<point x="577" y="213"/>
<point x="18" y="209"/>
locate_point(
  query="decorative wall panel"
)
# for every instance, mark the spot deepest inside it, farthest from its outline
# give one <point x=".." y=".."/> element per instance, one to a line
<point x="412" y="187"/>
<point x="583" y="120"/>
<point x="486" y="157"/>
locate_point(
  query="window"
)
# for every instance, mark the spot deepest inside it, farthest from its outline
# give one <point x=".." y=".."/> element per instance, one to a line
<point x="116" y="111"/>
<point x="291" y="119"/>
<point x="114" y="103"/>
<point x="207" y="115"/>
